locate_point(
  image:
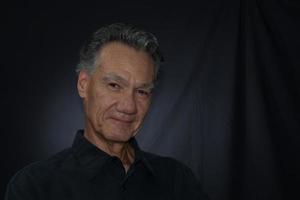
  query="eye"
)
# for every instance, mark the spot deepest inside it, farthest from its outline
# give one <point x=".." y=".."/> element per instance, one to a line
<point x="144" y="93"/>
<point x="114" y="86"/>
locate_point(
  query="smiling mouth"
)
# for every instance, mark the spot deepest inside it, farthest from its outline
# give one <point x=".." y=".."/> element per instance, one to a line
<point x="122" y="120"/>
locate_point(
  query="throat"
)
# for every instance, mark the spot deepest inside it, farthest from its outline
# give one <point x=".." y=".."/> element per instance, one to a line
<point x="127" y="157"/>
<point x="124" y="152"/>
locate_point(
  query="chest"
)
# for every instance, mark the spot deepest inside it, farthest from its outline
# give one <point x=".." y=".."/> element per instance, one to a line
<point x="105" y="184"/>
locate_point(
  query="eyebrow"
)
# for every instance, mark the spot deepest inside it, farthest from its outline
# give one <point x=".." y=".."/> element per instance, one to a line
<point x="148" y="86"/>
<point x="114" y="77"/>
<point x="119" y="79"/>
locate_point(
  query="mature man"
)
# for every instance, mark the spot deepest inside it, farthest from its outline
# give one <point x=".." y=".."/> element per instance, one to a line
<point x="116" y="75"/>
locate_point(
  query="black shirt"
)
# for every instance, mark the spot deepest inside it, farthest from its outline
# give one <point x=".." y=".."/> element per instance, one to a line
<point x="85" y="172"/>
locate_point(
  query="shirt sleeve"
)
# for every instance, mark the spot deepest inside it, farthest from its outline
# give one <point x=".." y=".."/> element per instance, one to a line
<point x="21" y="187"/>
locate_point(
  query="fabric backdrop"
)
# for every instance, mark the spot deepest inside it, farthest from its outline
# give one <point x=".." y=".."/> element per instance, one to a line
<point x="227" y="104"/>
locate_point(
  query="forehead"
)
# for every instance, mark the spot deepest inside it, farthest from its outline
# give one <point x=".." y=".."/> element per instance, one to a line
<point x="121" y="58"/>
<point x="118" y="51"/>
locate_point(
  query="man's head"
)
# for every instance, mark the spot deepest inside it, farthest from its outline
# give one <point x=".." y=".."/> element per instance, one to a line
<point x="116" y="75"/>
<point x="127" y="34"/>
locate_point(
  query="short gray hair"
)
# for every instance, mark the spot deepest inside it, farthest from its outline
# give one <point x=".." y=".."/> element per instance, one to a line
<point x="120" y="32"/>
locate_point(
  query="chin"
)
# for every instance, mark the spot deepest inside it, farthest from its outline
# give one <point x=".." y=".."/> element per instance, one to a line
<point x="118" y="139"/>
<point x="119" y="136"/>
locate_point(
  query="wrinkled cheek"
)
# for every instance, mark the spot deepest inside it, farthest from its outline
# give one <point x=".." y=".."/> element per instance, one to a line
<point x="94" y="112"/>
<point x="143" y="109"/>
<point x="98" y="116"/>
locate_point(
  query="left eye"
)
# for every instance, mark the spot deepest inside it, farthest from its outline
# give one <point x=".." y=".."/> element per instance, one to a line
<point x="143" y="93"/>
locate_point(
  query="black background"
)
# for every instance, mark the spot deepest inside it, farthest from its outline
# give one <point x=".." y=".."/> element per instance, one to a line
<point x="227" y="104"/>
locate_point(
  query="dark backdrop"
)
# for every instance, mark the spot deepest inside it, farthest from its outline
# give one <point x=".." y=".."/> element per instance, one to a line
<point x="227" y="104"/>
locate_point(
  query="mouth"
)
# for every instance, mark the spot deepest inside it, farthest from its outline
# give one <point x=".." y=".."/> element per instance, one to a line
<point x="128" y="121"/>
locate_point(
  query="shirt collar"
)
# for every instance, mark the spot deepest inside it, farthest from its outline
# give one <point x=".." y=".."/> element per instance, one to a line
<point x="139" y="155"/>
<point x="91" y="156"/>
<point x="86" y="153"/>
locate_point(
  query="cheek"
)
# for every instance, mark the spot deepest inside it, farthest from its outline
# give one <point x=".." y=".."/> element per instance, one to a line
<point x="102" y="104"/>
<point x="96" y="103"/>
<point x="143" y="107"/>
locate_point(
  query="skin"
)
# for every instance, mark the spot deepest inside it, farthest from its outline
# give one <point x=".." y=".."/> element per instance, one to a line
<point x="116" y="98"/>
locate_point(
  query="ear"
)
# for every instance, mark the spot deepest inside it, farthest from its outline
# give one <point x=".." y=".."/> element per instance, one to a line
<point x="82" y="83"/>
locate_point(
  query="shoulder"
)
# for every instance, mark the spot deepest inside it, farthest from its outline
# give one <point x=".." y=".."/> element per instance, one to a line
<point x="43" y="167"/>
<point x="175" y="175"/>
<point x="26" y="180"/>
<point x="170" y="169"/>
<point x="166" y="163"/>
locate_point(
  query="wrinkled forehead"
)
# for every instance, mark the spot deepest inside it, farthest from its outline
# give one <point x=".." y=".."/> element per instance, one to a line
<point x="122" y="56"/>
<point x="116" y="49"/>
<point x="119" y="61"/>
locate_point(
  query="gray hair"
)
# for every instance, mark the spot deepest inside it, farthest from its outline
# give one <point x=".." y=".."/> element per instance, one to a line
<point x="127" y="34"/>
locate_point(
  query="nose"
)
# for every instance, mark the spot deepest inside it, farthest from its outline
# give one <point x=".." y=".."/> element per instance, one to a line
<point x="127" y="104"/>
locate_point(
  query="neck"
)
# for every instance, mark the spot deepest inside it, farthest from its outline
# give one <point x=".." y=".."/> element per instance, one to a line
<point x="122" y="150"/>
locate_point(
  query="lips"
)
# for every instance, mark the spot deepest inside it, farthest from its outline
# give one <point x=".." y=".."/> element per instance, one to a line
<point x="124" y="120"/>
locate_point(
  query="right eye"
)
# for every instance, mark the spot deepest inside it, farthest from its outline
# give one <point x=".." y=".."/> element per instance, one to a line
<point x="114" y="86"/>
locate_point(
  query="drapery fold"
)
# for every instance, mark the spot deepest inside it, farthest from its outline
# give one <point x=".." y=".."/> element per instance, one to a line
<point x="235" y="120"/>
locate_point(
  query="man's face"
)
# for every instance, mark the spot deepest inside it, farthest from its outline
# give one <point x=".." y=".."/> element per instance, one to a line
<point x="117" y="95"/>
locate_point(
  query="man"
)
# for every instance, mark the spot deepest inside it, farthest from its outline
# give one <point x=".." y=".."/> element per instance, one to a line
<point x="116" y="76"/>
